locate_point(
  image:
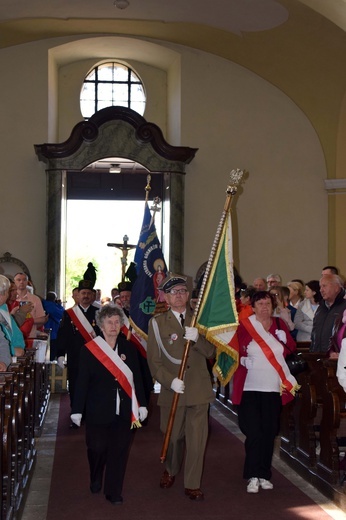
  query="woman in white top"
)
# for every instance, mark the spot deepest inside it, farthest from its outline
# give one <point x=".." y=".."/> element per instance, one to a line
<point x="306" y="311"/>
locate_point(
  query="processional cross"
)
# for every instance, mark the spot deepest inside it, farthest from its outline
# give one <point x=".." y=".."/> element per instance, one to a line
<point x="125" y="247"/>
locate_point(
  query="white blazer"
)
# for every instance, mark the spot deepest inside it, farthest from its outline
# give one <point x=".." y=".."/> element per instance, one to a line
<point x="303" y="320"/>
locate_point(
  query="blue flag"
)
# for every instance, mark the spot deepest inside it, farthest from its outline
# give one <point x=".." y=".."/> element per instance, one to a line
<point x="146" y="300"/>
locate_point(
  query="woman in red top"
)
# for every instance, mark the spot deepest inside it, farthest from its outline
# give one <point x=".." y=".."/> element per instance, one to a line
<point x="21" y="313"/>
<point x="261" y="384"/>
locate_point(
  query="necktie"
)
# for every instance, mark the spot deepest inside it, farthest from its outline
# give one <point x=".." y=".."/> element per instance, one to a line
<point x="181" y="316"/>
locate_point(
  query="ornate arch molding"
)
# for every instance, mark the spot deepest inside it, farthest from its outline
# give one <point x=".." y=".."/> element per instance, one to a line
<point x="10" y="266"/>
<point x="113" y="132"/>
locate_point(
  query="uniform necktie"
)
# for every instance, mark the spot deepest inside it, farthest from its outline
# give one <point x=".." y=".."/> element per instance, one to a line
<point x="182" y="320"/>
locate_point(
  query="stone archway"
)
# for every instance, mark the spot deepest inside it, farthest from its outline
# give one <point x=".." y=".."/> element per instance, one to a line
<point x="114" y="132"/>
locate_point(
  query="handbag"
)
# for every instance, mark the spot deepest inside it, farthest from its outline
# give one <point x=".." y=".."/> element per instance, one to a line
<point x="295" y="362"/>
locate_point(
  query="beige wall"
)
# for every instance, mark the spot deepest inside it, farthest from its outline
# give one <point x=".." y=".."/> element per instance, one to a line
<point x="280" y="215"/>
<point x="23" y="122"/>
<point x="236" y="119"/>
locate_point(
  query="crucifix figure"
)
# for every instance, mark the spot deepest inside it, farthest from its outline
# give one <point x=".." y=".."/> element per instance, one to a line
<point x="125" y="248"/>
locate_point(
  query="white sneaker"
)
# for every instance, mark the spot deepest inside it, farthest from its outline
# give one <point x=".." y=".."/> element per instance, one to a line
<point x="265" y="484"/>
<point x="253" y="485"/>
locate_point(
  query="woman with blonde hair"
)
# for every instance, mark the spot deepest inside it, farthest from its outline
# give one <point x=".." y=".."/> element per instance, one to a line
<point x="281" y="310"/>
<point x="296" y="293"/>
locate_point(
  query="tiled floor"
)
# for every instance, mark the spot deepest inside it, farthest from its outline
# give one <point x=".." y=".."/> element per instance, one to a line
<point x="38" y="494"/>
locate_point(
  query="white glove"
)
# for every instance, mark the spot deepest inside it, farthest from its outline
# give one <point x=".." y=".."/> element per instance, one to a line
<point x="247" y="362"/>
<point x="281" y="335"/>
<point x="76" y="418"/>
<point x="61" y="361"/>
<point x="178" y="385"/>
<point x="191" y="334"/>
<point x="143" y="413"/>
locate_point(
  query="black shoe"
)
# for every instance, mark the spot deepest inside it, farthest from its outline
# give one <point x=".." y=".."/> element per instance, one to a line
<point x="95" y="487"/>
<point x="117" y="501"/>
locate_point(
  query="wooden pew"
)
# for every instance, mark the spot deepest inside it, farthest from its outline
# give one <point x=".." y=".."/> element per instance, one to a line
<point x="290" y="412"/>
<point x="8" y="445"/>
<point x="309" y="413"/>
<point x="333" y="415"/>
<point x="24" y="396"/>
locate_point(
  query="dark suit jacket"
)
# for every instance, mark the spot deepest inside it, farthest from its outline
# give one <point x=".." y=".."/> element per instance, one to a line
<point x="69" y="339"/>
<point x="96" y="388"/>
<point x="198" y="388"/>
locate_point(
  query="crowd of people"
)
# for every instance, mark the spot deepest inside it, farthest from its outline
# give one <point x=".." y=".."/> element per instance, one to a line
<point x="311" y="310"/>
<point x="110" y="383"/>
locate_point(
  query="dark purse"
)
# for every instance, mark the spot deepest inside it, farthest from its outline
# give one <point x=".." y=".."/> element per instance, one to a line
<point x="295" y="362"/>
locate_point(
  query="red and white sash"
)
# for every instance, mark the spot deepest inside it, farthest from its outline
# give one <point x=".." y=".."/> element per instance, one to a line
<point x="81" y="323"/>
<point x="116" y="366"/>
<point x="133" y="336"/>
<point x="266" y="342"/>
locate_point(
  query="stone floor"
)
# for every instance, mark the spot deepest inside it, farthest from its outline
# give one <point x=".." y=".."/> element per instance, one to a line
<point x="38" y="493"/>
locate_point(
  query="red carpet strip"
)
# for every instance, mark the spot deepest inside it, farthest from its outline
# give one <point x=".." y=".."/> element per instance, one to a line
<point x="224" y="488"/>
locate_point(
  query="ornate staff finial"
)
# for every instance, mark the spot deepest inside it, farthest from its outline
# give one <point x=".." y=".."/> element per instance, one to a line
<point x="235" y="179"/>
<point x="155" y="208"/>
<point x="147" y="188"/>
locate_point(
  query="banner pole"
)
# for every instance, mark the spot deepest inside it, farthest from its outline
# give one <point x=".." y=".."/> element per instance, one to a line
<point x="235" y="178"/>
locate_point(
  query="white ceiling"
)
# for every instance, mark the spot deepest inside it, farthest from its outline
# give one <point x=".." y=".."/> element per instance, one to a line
<point x="231" y="15"/>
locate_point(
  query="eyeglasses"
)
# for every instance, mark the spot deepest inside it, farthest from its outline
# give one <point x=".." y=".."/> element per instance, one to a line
<point x="177" y="291"/>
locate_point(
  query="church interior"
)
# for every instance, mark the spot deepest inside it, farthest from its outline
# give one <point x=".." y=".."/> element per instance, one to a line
<point x="255" y="85"/>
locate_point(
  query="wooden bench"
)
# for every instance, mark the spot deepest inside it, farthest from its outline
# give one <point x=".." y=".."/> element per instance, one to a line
<point x="24" y="396"/>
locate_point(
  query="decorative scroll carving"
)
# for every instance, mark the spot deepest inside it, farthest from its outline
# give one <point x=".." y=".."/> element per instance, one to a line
<point x="88" y="131"/>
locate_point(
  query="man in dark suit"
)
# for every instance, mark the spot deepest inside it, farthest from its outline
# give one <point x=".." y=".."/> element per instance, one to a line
<point x="166" y="341"/>
<point x="78" y="325"/>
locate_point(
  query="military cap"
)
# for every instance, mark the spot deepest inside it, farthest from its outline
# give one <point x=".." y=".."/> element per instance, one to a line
<point x="171" y="281"/>
<point x="85" y="284"/>
<point x="124" y="286"/>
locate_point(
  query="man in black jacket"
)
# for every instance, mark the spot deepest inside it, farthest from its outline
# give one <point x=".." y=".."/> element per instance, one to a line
<point x="71" y="335"/>
<point x="329" y="313"/>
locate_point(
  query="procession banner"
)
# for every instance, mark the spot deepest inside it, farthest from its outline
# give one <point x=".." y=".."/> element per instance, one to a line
<point x="146" y="299"/>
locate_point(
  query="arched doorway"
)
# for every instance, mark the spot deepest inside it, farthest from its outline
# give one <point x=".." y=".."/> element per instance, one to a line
<point x="113" y="132"/>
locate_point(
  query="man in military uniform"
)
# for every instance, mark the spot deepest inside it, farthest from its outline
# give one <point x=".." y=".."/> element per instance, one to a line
<point x="166" y="341"/>
<point x="77" y="327"/>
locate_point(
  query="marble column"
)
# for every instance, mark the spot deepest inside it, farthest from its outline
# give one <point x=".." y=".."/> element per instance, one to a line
<point x="54" y="204"/>
<point x="176" y="245"/>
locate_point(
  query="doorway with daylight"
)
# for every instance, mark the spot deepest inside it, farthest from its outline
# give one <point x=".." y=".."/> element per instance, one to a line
<point x="113" y="132"/>
<point x="105" y="208"/>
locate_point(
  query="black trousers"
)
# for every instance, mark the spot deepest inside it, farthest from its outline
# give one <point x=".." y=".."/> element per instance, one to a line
<point x="258" y="418"/>
<point x="108" y="449"/>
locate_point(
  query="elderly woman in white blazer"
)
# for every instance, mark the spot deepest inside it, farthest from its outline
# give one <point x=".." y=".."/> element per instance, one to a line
<point x="304" y="316"/>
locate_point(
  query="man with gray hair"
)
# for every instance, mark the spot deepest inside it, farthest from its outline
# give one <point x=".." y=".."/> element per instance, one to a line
<point x="273" y="280"/>
<point x="329" y="313"/>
